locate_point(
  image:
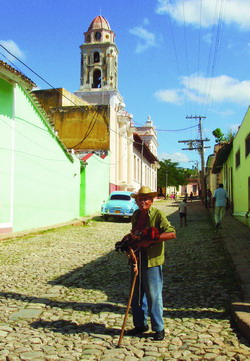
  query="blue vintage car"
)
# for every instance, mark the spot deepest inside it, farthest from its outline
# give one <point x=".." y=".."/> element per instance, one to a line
<point x="119" y="204"/>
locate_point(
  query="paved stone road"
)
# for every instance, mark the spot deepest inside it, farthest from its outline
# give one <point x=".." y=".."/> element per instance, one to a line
<point x="64" y="292"/>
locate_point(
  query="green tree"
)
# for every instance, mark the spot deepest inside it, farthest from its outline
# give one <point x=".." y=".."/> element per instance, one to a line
<point x="219" y="136"/>
<point x="172" y="174"/>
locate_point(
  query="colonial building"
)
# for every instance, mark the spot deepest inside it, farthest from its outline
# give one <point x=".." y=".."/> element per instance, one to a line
<point x="101" y="124"/>
<point x="230" y="165"/>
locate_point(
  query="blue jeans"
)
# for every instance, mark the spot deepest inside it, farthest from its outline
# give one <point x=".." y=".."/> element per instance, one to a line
<point x="147" y="298"/>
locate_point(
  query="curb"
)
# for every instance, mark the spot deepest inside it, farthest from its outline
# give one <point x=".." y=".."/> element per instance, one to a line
<point x="241" y="314"/>
<point x="76" y="222"/>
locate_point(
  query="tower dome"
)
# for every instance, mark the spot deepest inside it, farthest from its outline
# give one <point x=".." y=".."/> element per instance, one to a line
<point x="99" y="22"/>
<point x="99" y="58"/>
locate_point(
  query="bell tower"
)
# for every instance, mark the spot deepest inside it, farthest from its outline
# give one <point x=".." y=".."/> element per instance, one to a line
<point x="99" y="61"/>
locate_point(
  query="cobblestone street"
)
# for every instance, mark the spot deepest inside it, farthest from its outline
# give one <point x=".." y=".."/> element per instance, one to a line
<point x="64" y="294"/>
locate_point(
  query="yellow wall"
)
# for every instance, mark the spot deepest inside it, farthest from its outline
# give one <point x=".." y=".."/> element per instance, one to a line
<point x="88" y="129"/>
<point x="79" y="125"/>
<point x="60" y="97"/>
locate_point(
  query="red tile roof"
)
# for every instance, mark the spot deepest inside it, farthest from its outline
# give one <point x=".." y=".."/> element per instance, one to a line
<point x="18" y="74"/>
<point x="99" y="22"/>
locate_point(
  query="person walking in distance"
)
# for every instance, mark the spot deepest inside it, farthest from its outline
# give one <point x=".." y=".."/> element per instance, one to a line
<point x="220" y="202"/>
<point x="183" y="211"/>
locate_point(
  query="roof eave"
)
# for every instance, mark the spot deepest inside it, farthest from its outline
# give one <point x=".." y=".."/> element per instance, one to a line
<point x="221" y="157"/>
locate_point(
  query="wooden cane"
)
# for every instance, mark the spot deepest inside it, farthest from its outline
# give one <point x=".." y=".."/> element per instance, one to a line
<point x="134" y="260"/>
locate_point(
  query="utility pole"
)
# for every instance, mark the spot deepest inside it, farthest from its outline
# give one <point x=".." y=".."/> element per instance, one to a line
<point x="198" y="144"/>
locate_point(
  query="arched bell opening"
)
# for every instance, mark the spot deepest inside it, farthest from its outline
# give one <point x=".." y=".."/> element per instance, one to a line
<point x="97" y="79"/>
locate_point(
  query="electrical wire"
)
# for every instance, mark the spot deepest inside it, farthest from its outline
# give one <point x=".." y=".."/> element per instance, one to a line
<point x="10" y="61"/>
<point x="199" y="49"/>
<point x="170" y="130"/>
<point x="32" y="155"/>
<point x="214" y="51"/>
<point x="186" y="48"/>
<point x="88" y="131"/>
<point x="174" y="45"/>
<point x="78" y="106"/>
<point x="25" y="136"/>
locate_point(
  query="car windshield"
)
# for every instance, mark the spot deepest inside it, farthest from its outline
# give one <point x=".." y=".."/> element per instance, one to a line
<point x="121" y="197"/>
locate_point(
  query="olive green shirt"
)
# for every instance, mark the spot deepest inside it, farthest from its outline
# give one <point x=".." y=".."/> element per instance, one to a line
<point x="155" y="252"/>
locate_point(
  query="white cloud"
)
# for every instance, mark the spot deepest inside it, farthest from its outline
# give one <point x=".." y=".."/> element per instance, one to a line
<point x="174" y="157"/>
<point x="201" y="89"/>
<point x="223" y="88"/>
<point x="170" y="96"/>
<point x="146" y="38"/>
<point x="13" y="49"/>
<point x="225" y="113"/>
<point x="207" y="12"/>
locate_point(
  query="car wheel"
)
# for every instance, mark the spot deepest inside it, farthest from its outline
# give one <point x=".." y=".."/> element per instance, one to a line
<point x="105" y="217"/>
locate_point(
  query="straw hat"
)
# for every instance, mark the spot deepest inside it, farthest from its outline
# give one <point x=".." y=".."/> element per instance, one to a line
<point x="144" y="191"/>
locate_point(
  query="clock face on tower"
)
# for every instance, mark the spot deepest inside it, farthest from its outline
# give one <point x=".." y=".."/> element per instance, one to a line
<point x="98" y="35"/>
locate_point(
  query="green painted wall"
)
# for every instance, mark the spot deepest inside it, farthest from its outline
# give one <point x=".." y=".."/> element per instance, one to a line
<point x="46" y="182"/>
<point x="242" y="172"/>
<point x="6" y="161"/>
<point x="94" y="185"/>
<point x="238" y="183"/>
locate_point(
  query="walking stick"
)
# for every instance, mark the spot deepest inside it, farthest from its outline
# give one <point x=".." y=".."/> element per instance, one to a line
<point x="134" y="260"/>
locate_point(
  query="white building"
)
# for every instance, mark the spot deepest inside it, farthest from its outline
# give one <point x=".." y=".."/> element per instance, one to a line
<point x="133" y="151"/>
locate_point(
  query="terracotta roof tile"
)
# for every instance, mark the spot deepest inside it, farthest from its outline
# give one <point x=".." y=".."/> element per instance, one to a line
<point x="17" y="73"/>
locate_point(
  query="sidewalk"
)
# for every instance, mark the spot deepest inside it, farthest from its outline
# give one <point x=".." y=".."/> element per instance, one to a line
<point x="236" y="239"/>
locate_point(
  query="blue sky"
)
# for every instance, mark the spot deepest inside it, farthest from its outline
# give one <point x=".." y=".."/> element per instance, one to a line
<point x="177" y="58"/>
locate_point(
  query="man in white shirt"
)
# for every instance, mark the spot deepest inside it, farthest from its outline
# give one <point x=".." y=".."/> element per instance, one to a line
<point x="220" y="202"/>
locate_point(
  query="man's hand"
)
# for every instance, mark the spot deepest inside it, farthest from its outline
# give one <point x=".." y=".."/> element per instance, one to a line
<point x="131" y="254"/>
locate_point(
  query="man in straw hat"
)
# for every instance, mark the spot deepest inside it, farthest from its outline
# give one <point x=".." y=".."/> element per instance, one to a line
<point x="147" y="297"/>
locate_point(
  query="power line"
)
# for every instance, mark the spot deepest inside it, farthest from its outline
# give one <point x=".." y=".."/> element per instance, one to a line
<point x="186" y="49"/>
<point x="217" y="48"/>
<point x="70" y="100"/>
<point x="199" y="47"/>
<point x="214" y="51"/>
<point x="198" y="144"/>
<point x="169" y="130"/>
<point x="94" y="118"/>
<point x="32" y="155"/>
<point x="176" y="130"/>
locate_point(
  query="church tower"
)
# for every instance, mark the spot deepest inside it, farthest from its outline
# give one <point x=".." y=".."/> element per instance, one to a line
<point x="99" y="63"/>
